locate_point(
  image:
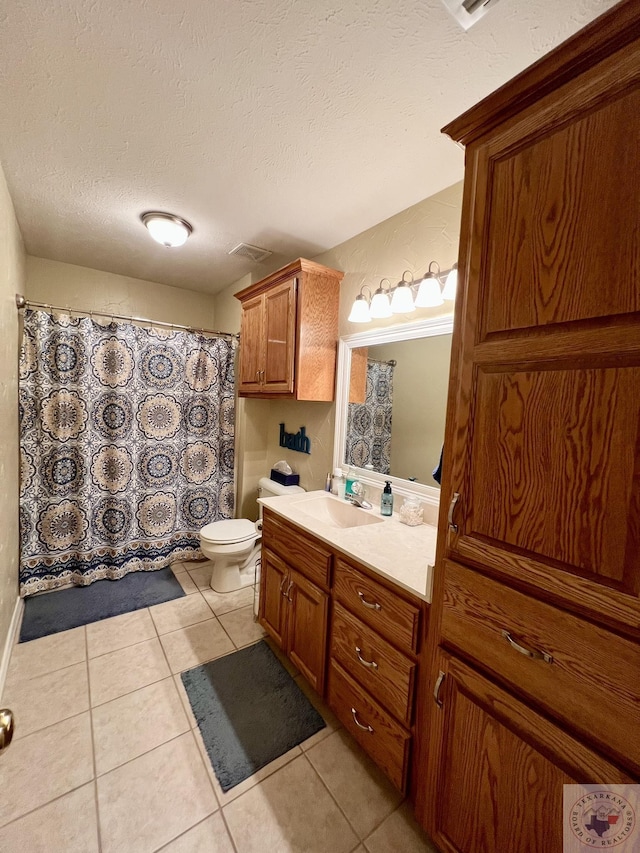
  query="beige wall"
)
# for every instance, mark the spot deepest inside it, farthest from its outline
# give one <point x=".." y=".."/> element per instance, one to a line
<point x="427" y="231"/>
<point x="420" y="385"/>
<point x="12" y="262"/>
<point x="81" y="288"/>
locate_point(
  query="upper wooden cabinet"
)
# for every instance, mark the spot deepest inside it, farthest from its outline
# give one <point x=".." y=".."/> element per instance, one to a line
<point x="289" y="333"/>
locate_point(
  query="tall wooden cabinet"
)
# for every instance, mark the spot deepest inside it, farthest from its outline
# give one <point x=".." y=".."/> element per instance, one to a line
<point x="535" y="631"/>
<point x="289" y="333"/>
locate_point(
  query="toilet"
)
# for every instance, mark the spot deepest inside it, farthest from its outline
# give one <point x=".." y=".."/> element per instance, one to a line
<point x="233" y="545"/>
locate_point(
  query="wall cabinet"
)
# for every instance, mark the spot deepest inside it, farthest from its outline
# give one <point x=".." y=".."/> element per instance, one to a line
<point x="289" y="332"/>
<point x="537" y="582"/>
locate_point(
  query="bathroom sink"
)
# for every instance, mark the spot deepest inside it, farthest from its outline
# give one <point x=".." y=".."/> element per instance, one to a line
<point x="337" y="513"/>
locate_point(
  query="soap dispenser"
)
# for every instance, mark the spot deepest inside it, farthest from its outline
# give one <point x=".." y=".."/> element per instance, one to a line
<point x="386" y="500"/>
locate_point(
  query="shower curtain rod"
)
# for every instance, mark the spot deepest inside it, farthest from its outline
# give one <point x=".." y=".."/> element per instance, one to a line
<point x="392" y="362"/>
<point x="21" y="302"/>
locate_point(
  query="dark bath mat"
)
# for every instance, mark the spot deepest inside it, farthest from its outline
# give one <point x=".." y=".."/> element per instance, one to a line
<point x="79" y="605"/>
<point x="249" y="710"/>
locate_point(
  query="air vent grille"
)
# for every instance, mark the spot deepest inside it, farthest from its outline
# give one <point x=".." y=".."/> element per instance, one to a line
<point x="253" y="253"/>
<point x="467" y="12"/>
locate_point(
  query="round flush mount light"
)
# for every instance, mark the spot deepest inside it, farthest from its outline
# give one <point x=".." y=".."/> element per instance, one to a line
<point x="167" y="229"/>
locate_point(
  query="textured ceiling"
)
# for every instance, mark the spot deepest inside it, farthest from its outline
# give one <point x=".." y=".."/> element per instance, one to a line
<point x="291" y="124"/>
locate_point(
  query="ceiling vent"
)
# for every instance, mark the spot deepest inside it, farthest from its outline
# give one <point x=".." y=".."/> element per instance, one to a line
<point x="467" y="12"/>
<point x="253" y="253"/>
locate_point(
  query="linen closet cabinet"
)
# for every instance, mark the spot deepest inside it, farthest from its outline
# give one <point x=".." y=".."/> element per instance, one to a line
<point x="534" y="652"/>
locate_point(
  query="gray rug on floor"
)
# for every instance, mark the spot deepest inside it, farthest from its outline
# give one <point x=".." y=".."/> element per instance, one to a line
<point x="249" y="710"/>
<point x="79" y="605"/>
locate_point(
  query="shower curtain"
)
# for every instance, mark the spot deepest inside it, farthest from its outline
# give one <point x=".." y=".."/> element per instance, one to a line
<point x="369" y="423"/>
<point x="126" y="446"/>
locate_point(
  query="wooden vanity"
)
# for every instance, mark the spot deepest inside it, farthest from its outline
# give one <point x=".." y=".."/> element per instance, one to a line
<point x="352" y="633"/>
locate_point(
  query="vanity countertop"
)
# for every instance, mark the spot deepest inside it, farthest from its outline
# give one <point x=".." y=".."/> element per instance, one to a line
<point x="404" y="555"/>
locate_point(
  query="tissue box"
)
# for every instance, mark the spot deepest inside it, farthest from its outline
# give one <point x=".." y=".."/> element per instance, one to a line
<point x="284" y="479"/>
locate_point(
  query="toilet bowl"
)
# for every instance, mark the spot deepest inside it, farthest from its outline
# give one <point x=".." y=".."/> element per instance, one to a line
<point x="233" y="545"/>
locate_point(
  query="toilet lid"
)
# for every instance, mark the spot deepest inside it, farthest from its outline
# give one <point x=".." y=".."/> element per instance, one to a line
<point x="229" y="531"/>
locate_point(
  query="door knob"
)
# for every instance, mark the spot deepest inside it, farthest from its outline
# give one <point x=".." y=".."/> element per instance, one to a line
<point x="6" y="728"/>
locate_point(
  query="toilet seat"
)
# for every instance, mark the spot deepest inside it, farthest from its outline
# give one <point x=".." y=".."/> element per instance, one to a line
<point x="229" y="532"/>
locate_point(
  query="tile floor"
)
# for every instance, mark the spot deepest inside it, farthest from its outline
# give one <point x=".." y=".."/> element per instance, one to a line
<point x="107" y="756"/>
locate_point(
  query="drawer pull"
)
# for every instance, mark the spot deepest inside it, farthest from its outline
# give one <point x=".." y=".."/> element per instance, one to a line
<point x="282" y="583"/>
<point x="371" y="605"/>
<point x="371" y="664"/>
<point x="534" y="654"/>
<point x="436" y="689"/>
<point x="354" y="714"/>
<point x="287" y="593"/>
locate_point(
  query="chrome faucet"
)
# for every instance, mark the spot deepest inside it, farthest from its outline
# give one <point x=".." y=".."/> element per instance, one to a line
<point x="359" y="501"/>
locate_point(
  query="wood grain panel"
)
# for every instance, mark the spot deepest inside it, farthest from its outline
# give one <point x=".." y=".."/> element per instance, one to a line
<point x="384" y="610"/>
<point x="492" y="753"/>
<point x="358" y="375"/>
<point x="316" y="353"/>
<point x="307" y="629"/>
<point x="252" y="348"/>
<point x="388" y="744"/>
<point x="272" y="603"/>
<point x="587" y="661"/>
<point x="391" y="681"/>
<point x="280" y="335"/>
<point x="298" y="549"/>
<point x="555" y="469"/>
<point x="549" y="199"/>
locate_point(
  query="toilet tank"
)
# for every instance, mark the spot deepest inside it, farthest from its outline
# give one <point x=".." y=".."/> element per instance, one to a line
<point x="268" y="488"/>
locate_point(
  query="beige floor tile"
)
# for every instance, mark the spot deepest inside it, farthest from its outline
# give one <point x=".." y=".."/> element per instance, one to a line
<point x="233" y="793"/>
<point x="224" y="602"/>
<point x="46" y="699"/>
<point x="210" y="836"/>
<point x="176" y="568"/>
<point x="180" y="613"/>
<point x="155" y="798"/>
<point x="187" y="584"/>
<point x="289" y="812"/>
<point x="363" y="793"/>
<point x="400" y="833"/>
<point x="126" y="670"/>
<point x="201" y="574"/>
<point x="196" y="644"/>
<point x="182" y="693"/>
<point x="109" y="635"/>
<point x="332" y="723"/>
<point x="136" y="723"/>
<point x="67" y="825"/>
<point x="45" y="765"/>
<point x="46" y="654"/>
<point x="240" y="626"/>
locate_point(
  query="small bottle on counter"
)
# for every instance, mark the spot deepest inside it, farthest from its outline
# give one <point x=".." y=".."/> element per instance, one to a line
<point x="350" y="480"/>
<point x="337" y="484"/>
<point x="386" y="500"/>
<point x="327" y="485"/>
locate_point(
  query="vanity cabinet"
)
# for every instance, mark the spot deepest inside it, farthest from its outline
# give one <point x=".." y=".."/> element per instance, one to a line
<point x="289" y="332"/>
<point x="535" y="625"/>
<point x="372" y="672"/>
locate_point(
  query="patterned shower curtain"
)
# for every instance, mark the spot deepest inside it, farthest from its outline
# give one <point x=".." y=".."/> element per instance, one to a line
<point x="369" y="423"/>
<point x="126" y="445"/>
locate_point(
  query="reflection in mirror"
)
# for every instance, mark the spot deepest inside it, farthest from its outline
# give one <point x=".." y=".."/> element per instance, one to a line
<point x="391" y="404"/>
<point x="397" y="404"/>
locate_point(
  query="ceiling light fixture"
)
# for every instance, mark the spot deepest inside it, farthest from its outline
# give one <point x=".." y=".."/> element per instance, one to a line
<point x="165" y="228"/>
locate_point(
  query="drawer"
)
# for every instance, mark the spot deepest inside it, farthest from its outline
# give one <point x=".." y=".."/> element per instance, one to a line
<point x="589" y="678"/>
<point x="384" y="671"/>
<point x="301" y="551"/>
<point x="389" y="614"/>
<point x="372" y="727"/>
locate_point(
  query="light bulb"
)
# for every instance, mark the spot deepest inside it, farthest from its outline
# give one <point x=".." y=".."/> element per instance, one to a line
<point x="429" y="295"/>
<point x="402" y="300"/>
<point x="165" y="228"/>
<point x="359" y="310"/>
<point x="380" y="306"/>
<point x="451" y="284"/>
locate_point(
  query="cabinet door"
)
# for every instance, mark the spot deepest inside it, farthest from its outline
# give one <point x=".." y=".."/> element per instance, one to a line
<point x="543" y="446"/>
<point x="252" y="344"/>
<point x="307" y="629"/>
<point x="279" y="335"/>
<point x="274" y="577"/>
<point x="498" y="769"/>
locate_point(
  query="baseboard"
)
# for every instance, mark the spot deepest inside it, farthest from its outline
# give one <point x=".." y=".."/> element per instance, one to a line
<point x="14" y="628"/>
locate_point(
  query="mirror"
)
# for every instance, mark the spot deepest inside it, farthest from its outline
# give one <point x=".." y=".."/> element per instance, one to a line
<point x="391" y="404"/>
